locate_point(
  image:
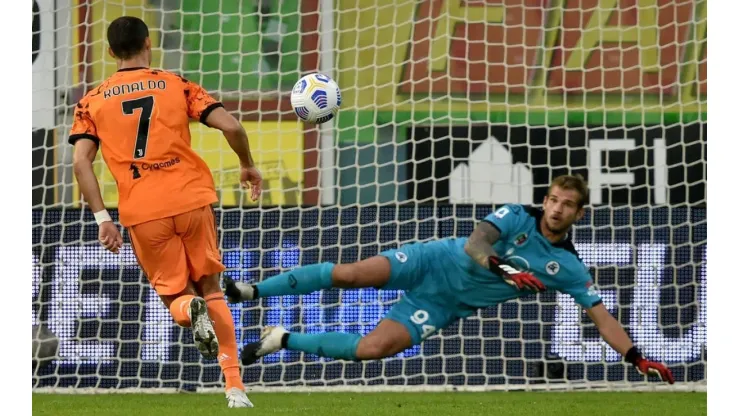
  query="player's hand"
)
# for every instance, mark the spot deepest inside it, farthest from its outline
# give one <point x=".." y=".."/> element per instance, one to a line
<point x="109" y="236"/>
<point x="525" y="281"/>
<point x="251" y="177"/>
<point x="515" y="277"/>
<point x="645" y="367"/>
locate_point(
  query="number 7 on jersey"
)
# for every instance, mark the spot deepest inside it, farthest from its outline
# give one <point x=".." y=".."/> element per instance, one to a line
<point x="146" y="104"/>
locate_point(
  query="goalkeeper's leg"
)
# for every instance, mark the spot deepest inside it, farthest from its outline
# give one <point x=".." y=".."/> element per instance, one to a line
<point x="372" y="272"/>
<point x="403" y="268"/>
<point x="408" y="323"/>
<point x="387" y="339"/>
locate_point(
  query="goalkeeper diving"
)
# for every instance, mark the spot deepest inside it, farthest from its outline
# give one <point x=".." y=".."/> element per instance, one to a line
<point x="515" y="251"/>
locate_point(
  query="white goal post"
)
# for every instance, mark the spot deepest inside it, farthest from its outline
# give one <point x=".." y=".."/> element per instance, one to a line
<point x="450" y="108"/>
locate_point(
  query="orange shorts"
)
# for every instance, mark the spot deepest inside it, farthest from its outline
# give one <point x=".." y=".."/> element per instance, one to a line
<point x="175" y="250"/>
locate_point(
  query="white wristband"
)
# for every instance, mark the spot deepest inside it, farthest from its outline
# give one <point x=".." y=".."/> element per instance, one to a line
<point x="102" y="216"/>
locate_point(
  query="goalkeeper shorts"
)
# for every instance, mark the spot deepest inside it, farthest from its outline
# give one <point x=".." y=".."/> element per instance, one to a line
<point x="421" y="317"/>
<point x="428" y="304"/>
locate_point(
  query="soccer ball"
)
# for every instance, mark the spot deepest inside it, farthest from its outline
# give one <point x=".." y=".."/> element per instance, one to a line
<point x="316" y="98"/>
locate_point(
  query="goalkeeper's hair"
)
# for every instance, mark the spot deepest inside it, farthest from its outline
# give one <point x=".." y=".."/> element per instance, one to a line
<point x="127" y="36"/>
<point x="572" y="182"/>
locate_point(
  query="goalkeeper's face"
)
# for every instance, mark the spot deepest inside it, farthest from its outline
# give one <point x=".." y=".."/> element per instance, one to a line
<point x="562" y="208"/>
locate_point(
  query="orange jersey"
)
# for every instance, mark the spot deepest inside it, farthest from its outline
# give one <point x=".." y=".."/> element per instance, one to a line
<point x="140" y="119"/>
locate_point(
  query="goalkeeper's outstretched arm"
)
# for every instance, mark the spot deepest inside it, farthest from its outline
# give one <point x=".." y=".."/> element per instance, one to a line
<point x="615" y="335"/>
<point x="480" y="244"/>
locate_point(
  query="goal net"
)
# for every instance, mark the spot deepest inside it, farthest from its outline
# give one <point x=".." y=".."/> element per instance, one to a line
<point x="450" y="109"/>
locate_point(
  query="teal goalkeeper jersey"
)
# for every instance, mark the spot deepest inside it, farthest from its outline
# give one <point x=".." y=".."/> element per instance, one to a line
<point x="522" y="244"/>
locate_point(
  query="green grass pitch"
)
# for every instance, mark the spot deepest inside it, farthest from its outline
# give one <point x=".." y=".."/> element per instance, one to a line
<point x="378" y="404"/>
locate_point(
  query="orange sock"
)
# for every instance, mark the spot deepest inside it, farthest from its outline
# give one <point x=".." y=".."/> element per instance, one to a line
<point x="180" y="308"/>
<point x="223" y="323"/>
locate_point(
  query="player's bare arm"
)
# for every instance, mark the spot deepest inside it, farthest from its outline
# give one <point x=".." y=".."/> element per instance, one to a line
<point x="237" y="138"/>
<point x="234" y="133"/>
<point x="480" y="244"/>
<point x="82" y="161"/>
<point x="615" y="335"/>
<point x="84" y="155"/>
<point x="611" y="330"/>
<point x="480" y="247"/>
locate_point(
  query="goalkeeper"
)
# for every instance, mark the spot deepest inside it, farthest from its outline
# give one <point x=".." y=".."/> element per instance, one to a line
<point x="513" y="252"/>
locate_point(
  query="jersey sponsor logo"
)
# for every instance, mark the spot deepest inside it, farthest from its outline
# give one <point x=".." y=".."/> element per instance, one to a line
<point x="519" y="262"/>
<point x="133" y="87"/>
<point x="136" y="169"/>
<point x="552" y="268"/>
<point x="520" y="239"/>
<point x="161" y="165"/>
<point x="401" y="256"/>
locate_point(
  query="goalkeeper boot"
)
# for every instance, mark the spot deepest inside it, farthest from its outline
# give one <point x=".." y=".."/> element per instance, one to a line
<point x="203" y="333"/>
<point x="238" y="398"/>
<point x="237" y="291"/>
<point x="270" y="341"/>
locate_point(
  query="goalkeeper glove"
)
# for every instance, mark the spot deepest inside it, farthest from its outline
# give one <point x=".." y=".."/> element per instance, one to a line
<point x="517" y="278"/>
<point x="645" y="366"/>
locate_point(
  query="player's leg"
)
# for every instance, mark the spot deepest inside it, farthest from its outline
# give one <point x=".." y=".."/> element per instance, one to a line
<point x="408" y="323"/>
<point x="198" y="231"/>
<point x="387" y="339"/>
<point x="373" y="272"/>
<point x="179" y="305"/>
<point x="161" y="255"/>
<point x="228" y="353"/>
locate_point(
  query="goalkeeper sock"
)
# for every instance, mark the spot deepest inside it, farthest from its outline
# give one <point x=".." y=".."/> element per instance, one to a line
<point x="180" y="310"/>
<point x="327" y="344"/>
<point x="223" y="324"/>
<point x="299" y="281"/>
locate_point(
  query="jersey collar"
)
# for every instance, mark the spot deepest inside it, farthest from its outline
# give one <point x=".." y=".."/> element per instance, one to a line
<point x="131" y="69"/>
